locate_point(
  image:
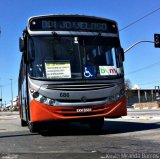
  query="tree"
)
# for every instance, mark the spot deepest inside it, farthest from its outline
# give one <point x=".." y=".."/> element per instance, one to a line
<point x="128" y="87"/>
<point x="128" y="84"/>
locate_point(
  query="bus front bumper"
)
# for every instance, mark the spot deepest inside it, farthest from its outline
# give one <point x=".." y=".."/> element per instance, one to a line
<point x="41" y="112"/>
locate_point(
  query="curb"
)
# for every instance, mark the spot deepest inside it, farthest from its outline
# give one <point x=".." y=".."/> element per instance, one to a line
<point x="142" y="117"/>
<point x="145" y="108"/>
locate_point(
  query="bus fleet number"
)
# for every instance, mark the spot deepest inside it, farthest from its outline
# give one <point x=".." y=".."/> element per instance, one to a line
<point x="64" y="95"/>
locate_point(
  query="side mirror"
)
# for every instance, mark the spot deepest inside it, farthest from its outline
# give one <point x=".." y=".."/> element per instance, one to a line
<point x="122" y="54"/>
<point x="21" y="44"/>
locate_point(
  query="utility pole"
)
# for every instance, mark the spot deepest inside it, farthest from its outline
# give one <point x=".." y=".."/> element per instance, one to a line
<point x="11" y="95"/>
<point x="152" y="94"/>
<point x="5" y="104"/>
<point x="156" y="90"/>
<point x="1" y="95"/>
<point x="139" y="95"/>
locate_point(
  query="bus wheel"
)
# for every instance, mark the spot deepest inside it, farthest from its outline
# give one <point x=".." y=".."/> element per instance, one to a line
<point x="23" y="123"/>
<point x="32" y="127"/>
<point x="96" y="125"/>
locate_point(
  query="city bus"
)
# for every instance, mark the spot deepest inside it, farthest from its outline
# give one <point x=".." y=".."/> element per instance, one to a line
<point x="71" y="70"/>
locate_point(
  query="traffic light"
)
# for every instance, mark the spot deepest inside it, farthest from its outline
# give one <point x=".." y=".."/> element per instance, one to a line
<point x="157" y="40"/>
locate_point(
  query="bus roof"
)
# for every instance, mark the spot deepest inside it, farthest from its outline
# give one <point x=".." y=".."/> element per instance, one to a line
<point x="71" y="15"/>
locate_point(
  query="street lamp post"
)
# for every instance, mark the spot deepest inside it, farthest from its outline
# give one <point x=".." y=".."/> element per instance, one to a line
<point x="139" y="95"/>
<point x="1" y="96"/>
<point x="11" y="95"/>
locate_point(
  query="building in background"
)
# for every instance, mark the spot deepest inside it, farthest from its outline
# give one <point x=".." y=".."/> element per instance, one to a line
<point x="139" y="95"/>
<point x="15" y="105"/>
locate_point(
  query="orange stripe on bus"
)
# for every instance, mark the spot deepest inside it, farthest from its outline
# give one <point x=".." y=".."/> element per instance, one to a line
<point x="43" y="112"/>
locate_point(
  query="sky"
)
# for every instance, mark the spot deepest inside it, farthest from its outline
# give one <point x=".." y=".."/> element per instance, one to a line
<point x="142" y="63"/>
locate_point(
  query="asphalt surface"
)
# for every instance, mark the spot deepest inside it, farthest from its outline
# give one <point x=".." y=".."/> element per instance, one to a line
<point x="119" y="138"/>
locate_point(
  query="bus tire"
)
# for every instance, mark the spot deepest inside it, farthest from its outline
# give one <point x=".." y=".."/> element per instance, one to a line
<point x="32" y="127"/>
<point x="23" y="123"/>
<point x="96" y="125"/>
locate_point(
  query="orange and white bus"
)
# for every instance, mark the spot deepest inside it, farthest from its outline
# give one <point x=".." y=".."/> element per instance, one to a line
<point x="71" y="70"/>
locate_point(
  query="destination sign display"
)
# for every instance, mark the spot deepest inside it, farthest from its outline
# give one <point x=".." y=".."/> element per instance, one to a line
<point x="71" y="24"/>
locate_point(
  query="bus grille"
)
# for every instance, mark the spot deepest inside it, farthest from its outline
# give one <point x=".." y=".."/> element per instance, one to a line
<point x="79" y="100"/>
<point x="79" y="87"/>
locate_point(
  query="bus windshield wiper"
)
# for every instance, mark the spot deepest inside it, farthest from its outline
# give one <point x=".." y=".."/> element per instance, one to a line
<point x="55" y="34"/>
<point x="96" y="37"/>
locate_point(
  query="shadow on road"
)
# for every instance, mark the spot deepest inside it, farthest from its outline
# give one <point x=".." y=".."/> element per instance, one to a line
<point x="116" y="127"/>
<point x="110" y="127"/>
<point x="75" y="129"/>
<point x="16" y="134"/>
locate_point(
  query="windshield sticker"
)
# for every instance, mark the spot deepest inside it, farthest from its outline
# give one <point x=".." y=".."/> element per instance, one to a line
<point x="107" y="70"/>
<point x="89" y="71"/>
<point x="58" y="70"/>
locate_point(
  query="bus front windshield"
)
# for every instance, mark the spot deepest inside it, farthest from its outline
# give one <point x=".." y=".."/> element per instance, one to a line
<point x="74" y="57"/>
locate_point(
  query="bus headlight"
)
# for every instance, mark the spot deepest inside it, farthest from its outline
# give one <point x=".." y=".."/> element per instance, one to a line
<point x="117" y="96"/>
<point x="35" y="95"/>
<point x="51" y="102"/>
<point x="111" y="98"/>
<point x="43" y="99"/>
<point x="122" y="92"/>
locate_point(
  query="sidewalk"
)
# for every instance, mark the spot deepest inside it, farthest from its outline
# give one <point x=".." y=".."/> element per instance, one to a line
<point x="147" y="105"/>
<point x="9" y="113"/>
<point x="143" y="113"/>
<point x="147" y="117"/>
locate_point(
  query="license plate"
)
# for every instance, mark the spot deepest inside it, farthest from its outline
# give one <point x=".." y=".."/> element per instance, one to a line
<point x="83" y="110"/>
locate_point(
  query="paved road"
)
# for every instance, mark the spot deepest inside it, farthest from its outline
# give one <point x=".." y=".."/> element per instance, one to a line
<point x="120" y="138"/>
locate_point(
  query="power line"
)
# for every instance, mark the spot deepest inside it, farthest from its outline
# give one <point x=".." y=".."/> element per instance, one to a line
<point x="134" y="22"/>
<point x="143" y="68"/>
<point x="149" y="83"/>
